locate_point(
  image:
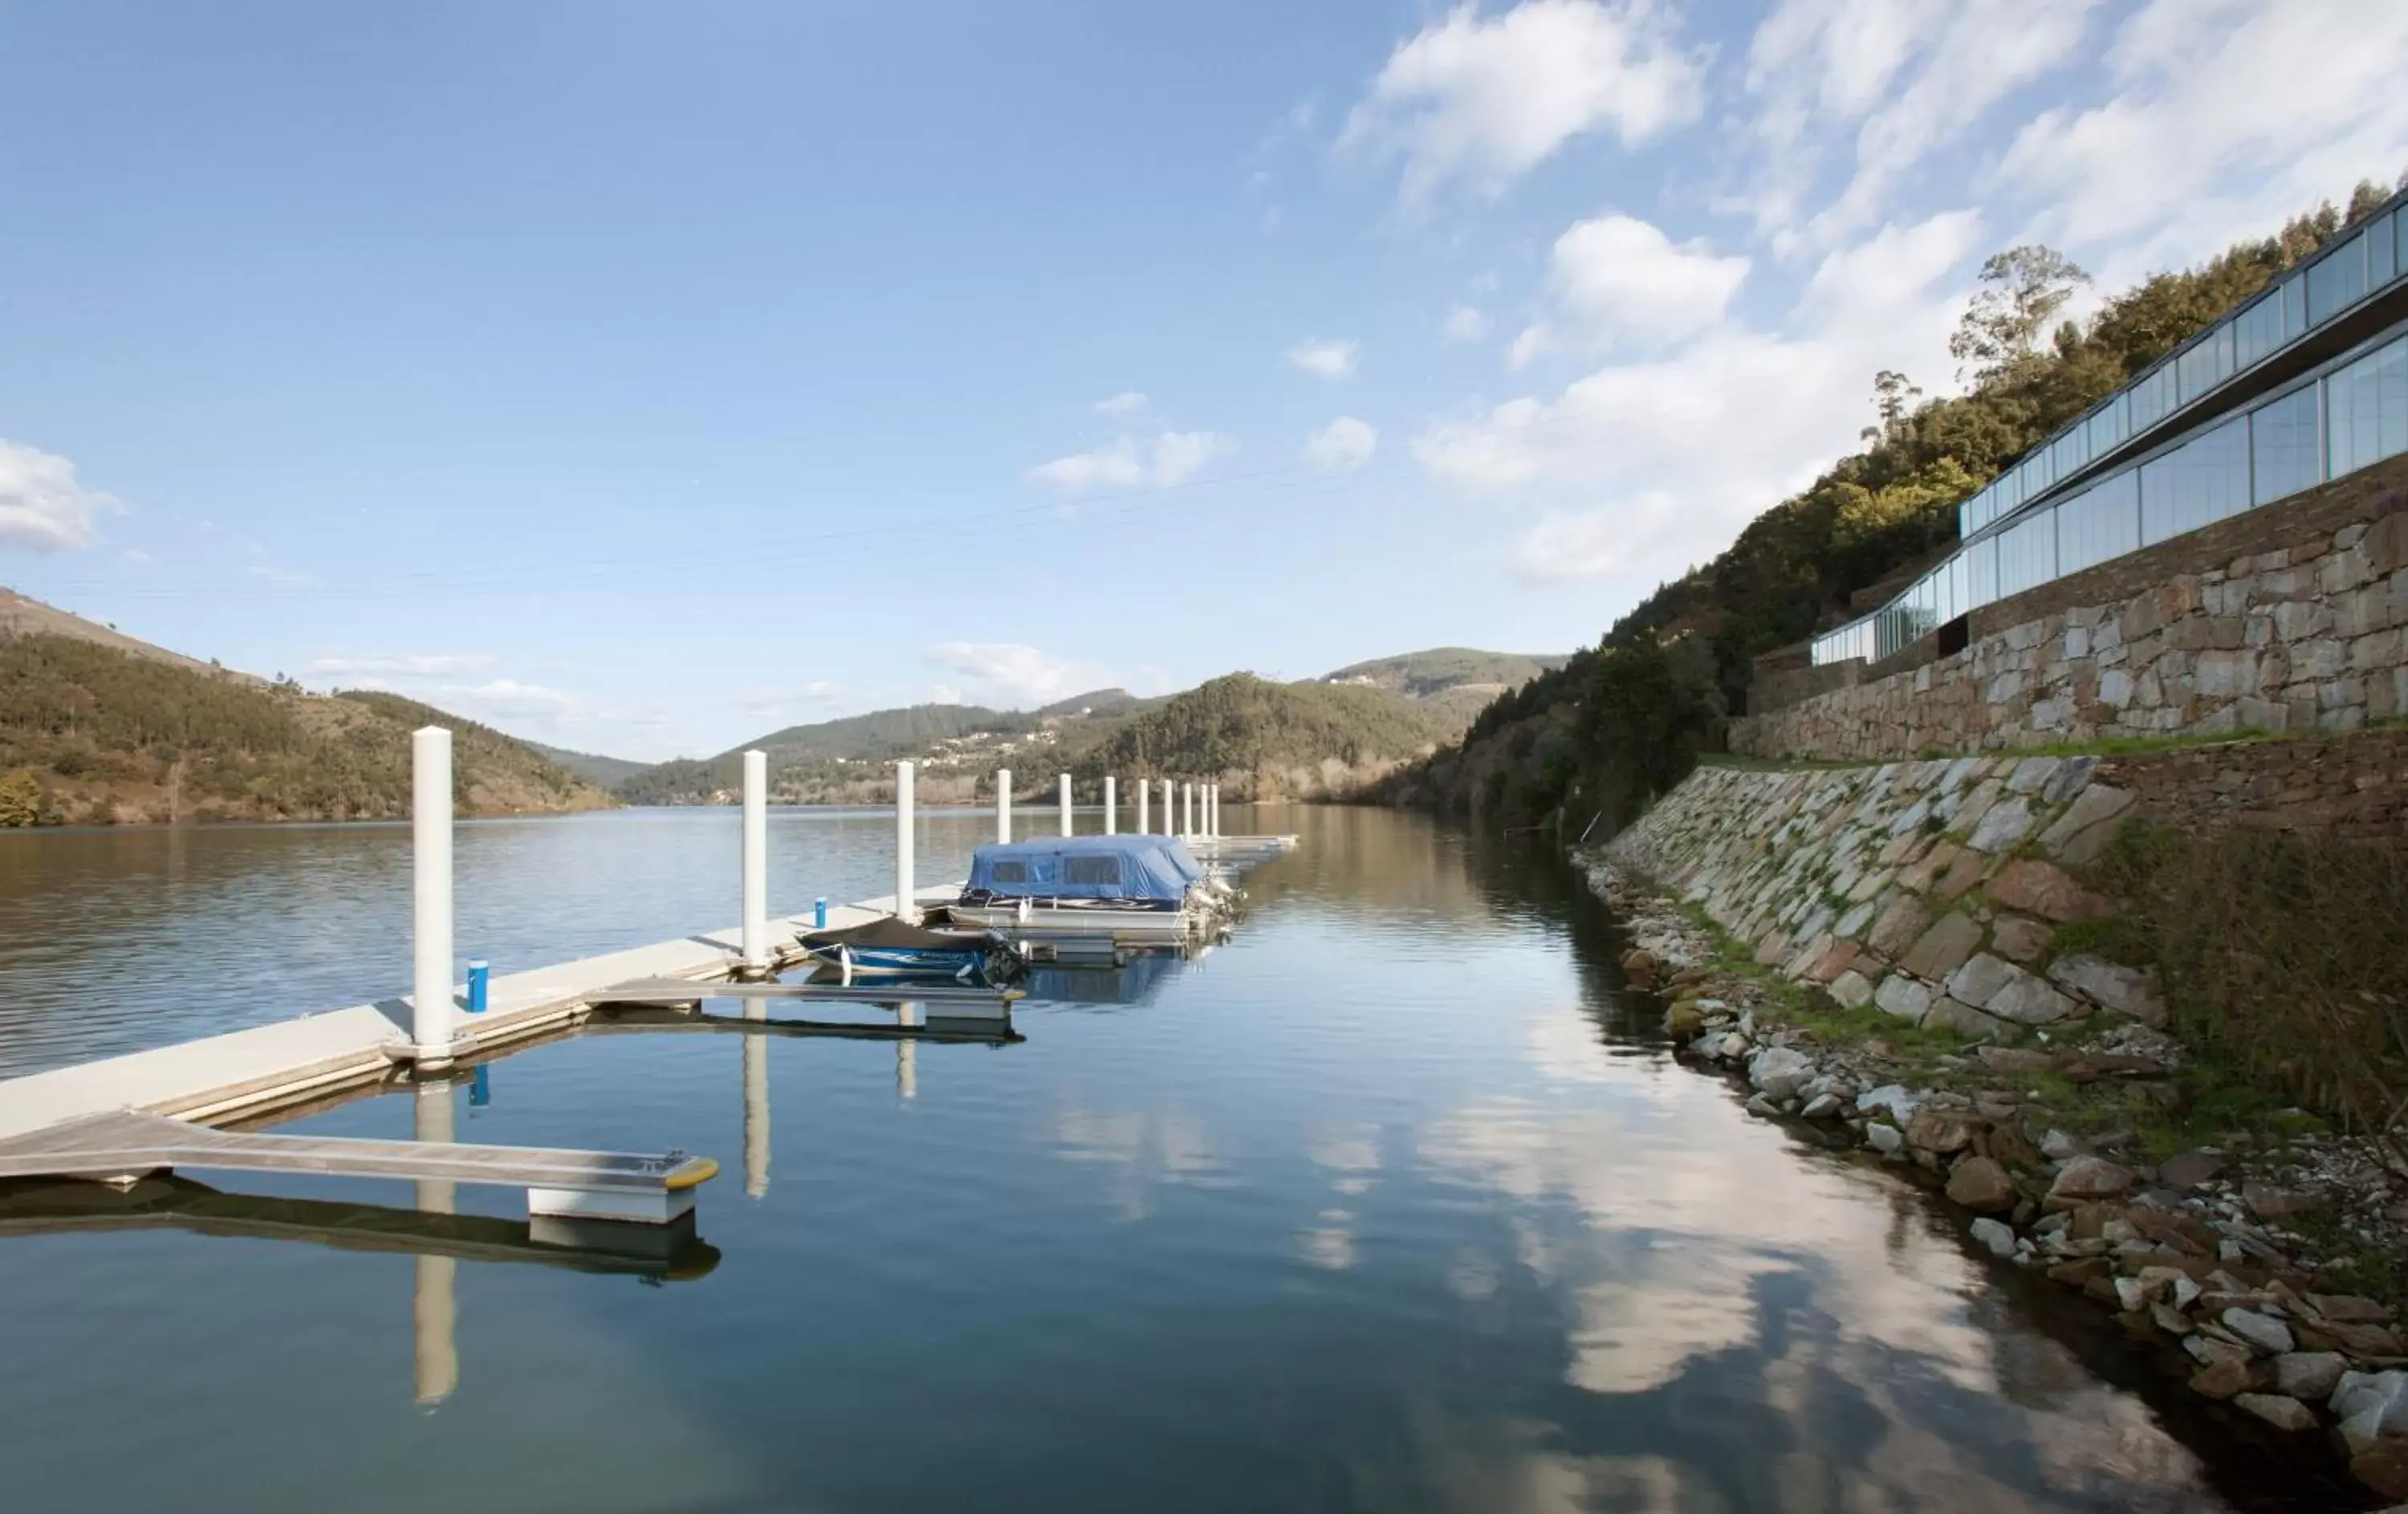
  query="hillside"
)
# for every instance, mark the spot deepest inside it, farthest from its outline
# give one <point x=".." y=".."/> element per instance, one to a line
<point x="1313" y="737"/>
<point x="602" y="771"/>
<point x="21" y="615"/>
<point x="95" y="733"/>
<point x="842" y="761"/>
<point x="1265" y="740"/>
<point x="1622" y="722"/>
<point x="1439" y="669"/>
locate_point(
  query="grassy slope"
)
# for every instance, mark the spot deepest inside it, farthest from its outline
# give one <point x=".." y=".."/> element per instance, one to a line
<point x="1439" y="669"/>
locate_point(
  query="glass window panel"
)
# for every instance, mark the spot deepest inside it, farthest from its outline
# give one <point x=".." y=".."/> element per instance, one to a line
<point x="2366" y="410"/>
<point x="2257" y="330"/>
<point x="2382" y="251"/>
<point x="1981" y="572"/>
<point x="2152" y="398"/>
<point x="2294" y="305"/>
<point x="2196" y="371"/>
<point x="2204" y="480"/>
<point x="2097" y="524"/>
<point x="2337" y="280"/>
<point x="2285" y="456"/>
<point x="2027" y="554"/>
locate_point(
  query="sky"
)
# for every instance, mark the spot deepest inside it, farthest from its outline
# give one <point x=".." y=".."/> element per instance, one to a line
<point x="643" y="378"/>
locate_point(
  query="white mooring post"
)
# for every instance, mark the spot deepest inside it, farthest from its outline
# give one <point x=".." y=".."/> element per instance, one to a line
<point x="756" y="862"/>
<point x="1187" y="809"/>
<point x="1216" y="809"/>
<point x="1065" y="804"/>
<point x="1212" y="809"/>
<point x="1003" y="804"/>
<point x="1145" y="792"/>
<point x="430" y="866"/>
<point x="1111" y="806"/>
<point x="906" y="908"/>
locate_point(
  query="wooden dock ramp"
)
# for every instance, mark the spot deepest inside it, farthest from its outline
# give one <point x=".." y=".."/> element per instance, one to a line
<point x="588" y="1185"/>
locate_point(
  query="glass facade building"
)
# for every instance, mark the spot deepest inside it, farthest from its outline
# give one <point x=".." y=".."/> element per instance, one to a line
<point x="2045" y="517"/>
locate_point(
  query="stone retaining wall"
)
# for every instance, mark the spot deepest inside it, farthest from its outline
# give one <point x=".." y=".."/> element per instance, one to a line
<point x="2353" y="785"/>
<point x="2303" y="627"/>
<point x="1932" y="890"/>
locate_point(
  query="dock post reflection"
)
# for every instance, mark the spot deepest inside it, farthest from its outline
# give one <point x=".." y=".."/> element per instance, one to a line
<point x="907" y="1051"/>
<point x="435" y="1305"/>
<point x="756" y="1104"/>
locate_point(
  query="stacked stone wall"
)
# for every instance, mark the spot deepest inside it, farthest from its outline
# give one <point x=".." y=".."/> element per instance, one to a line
<point x="2354" y="787"/>
<point x="2290" y="618"/>
<point x="1932" y="890"/>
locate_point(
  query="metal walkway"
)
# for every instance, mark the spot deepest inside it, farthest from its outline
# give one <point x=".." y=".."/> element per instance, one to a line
<point x="687" y="990"/>
<point x="672" y="1253"/>
<point x="596" y="1184"/>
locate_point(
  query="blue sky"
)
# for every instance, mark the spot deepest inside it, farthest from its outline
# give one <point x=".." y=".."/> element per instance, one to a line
<point x="644" y="377"/>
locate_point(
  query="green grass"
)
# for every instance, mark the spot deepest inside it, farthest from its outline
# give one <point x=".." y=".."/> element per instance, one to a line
<point x="2114" y="747"/>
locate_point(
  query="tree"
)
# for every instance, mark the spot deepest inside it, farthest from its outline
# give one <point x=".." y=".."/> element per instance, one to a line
<point x="2022" y="289"/>
<point x="20" y="800"/>
<point x="1894" y="397"/>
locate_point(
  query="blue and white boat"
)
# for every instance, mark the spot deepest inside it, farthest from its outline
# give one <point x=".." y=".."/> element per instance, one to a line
<point x="887" y="949"/>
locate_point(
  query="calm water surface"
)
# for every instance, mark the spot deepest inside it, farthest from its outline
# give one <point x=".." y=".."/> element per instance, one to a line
<point x="1395" y="1203"/>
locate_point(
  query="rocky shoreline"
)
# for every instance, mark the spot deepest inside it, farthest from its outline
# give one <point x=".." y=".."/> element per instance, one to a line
<point x="2207" y="1252"/>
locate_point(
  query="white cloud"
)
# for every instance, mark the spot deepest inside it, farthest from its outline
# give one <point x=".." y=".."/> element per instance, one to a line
<point x="1123" y="406"/>
<point x="1343" y="446"/>
<point x="1617" y="277"/>
<point x="816" y="697"/>
<point x="1888" y="271"/>
<point x="1645" y="467"/>
<point x="2223" y="118"/>
<point x="42" y="507"/>
<point x="1129" y="462"/>
<point x="1486" y="98"/>
<point x="1322" y="359"/>
<point x="1465" y="324"/>
<point x="1008" y="674"/>
<point x="436" y="665"/>
<point x="1885" y="84"/>
<point x="541" y="712"/>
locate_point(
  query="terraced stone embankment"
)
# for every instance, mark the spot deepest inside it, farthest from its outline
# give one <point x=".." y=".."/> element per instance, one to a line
<point x="1934" y="892"/>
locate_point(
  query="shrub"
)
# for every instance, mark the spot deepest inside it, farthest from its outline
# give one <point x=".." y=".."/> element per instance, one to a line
<point x="2281" y="953"/>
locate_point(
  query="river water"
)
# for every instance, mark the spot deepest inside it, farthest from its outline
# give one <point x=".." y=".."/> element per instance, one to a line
<point x="1395" y="1202"/>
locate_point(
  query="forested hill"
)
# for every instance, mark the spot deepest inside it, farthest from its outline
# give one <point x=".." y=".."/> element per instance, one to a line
<point x="91" y="734"/>
<point x="846" y="760"/>
<point x="1624" y="720"/>
<point x="602" y="771"/>
<point x="1263" y="740"/>
<point x="1322" y="736"/>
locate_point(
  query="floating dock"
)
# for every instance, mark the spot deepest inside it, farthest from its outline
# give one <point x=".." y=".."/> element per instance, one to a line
<point x="244" y="1075"/>
<point x="126" y="1116"/>
<point x="124" y="1147"/>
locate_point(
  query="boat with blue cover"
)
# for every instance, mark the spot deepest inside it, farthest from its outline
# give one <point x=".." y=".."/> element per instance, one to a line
<point x="1091" y="885"/>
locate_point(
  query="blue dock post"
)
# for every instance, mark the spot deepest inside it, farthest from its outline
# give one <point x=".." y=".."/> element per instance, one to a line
<point x="819" y="914"/>
<point x="479" y="970"/>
